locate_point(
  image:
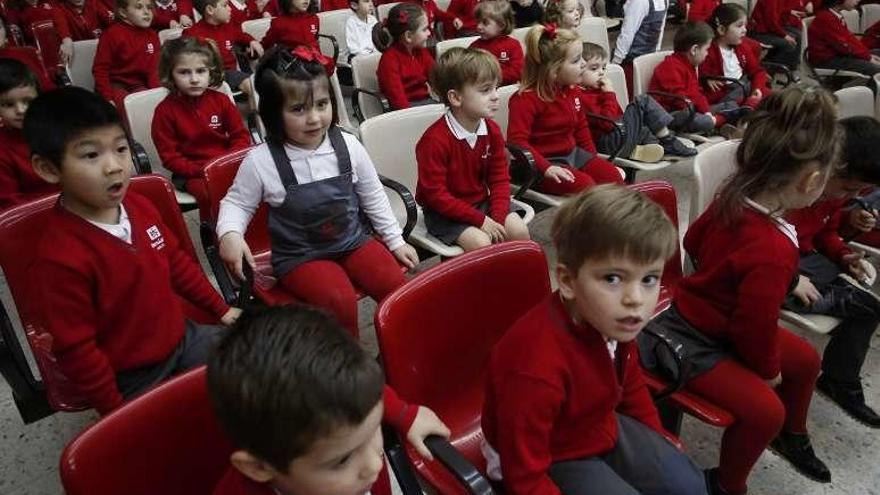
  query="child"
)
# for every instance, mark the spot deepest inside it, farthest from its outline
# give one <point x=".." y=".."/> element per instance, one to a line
<point x="18" y="181"/>
<point x="405" y="63"/>
<point x="216" y="25"/>
<point x="321" y="188"/>
<point x="701" y="10"/>
<point x="645" y="122"/>
<point x="27" y="55"/>
<point x="108" y="272"/>
<point x="463" y="12"/>
<point x="297" y="25"/>
<point x="25" y="13"/>
<point x="566" y="14"/>
<point x="768" y="24"/>
<point x="127" y="57"/>
<point x="244" y="10"/>
<point x="194" y="124"/>
<point x="833" y="46"/>
<point x="494" y="26"/>
<point x="464" y="184"/>
<point x="547" y="118"/>
<point x="677" y="74"/>
<point x="435" y="14"/>
<point x="832" y="274"/>
<point x="729" y="57"/>
<point x="567" y="410"/>
<point x="359" y="29"/>
<point x="641" y="32"/>
<point x="294" y="393"/>
<point x="82" y="18"/>
<point x="725" y="315"/>
<point x="172" y="14"/>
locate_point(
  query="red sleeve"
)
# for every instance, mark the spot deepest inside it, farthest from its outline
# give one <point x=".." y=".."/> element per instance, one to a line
<point x="669" y="78"/>
<point x="604" y="104"/>
<point x="398" y="413"/>
<point x="828" y="242"/>
<point x="521" y="116"/>
<point x="188" y="280"/>
<point x="101" y="65"/>
<point x="169" y="144"/>
<point x="753" y="330"/>
<point x="757" y="74"/>
<point x="432" y="158"/>
<point x="240" y="37"/>
<point x="772" y="16"/>
<point x="582" y="135"/>
<point x="272" y="35"/>
<point x="498" y="177"/>
<point x="439" y="14"/>
<point x="511" y="72"/>
<point x="60" y="21"/>
<point x="152" y="70"/>
<point x="388" y="74"/>
<point x="636" y="401"/>
<point x="185" y="7"/>
<point x="239" y="137"/>
<point x="871" y="39"/>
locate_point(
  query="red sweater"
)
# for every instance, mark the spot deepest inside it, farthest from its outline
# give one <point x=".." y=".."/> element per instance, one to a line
<point x="111" y="306"/>
<point x="743" y="274"/>
<point x="817" y="227"/>
<point x="29" y="57"/>
<point x="403" y="75"/>
<point x="751" y="67"/>
<point x="701" y="10"/>
<point x="871" y="38"/>
<point x="164" y="14"/>
<point x="509" y="53"/>
<point x="190" y="132"/>
<point x="553" y="383"/>
<point x="677" y="75"/>
<point x="82" y="25"/>
<point x="106" y="12"/>
<point x="127" y="56"/>
<point x="453" y="177"/>
<point x="602" y="103"/>
<point x="548" y="128"/>
<point x="42" y="11"/>
<point x="464" y="10"/>
<point x="433" y="12"/>
<point x="293" y="30"/>
<point x="768" y="17"/>
<point x="18" y="181"/>
<point x="830" y="38"/>
<point x="225" y="35"/>
<point x="247" y="13"/>
<point x="788" y="18"/>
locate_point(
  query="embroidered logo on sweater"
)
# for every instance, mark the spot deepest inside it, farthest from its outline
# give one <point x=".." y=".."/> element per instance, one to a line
<point x="313" y="28"/>
<point x="577" y="104"/>
<point x="504" y="57"/>
<point x="215" y="122"/>
<point x="485" y="155"/>
<point x="228" y="44"/>
<point x="157" y="242"/>
<point x="150" y="48"/>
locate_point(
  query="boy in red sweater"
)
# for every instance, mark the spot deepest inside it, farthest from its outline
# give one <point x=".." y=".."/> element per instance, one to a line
<point x="567" y="410"/>
<point x="109" y="275"/>
<point x="771" y="24"/>
<point x="464" y="185"/>
<point x="127" y="58"/>
<point x="82" y="18"/>
<point x="495" y="23"/>
<point x="833" y="46"/>
<point x="303" y="403"/>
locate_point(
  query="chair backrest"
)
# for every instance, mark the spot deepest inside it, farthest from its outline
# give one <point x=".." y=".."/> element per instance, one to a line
<point x="663" y="194"/>
<point x="852" y="19"/>
<point x="502" y="116"/>
<point x="363" y="70"/>
<point x="80" y="69"/>
<point x="593" y="29"/>
<point x="169" y="34"/>
<point x="855" y="101"/>
<point x="341" y="109"/>
<point x="382" y="10"/>
<point x="520" y="35"/>
<point x="712" y="167"/>
<point x="870" y="15"/>
<point x="443" y="4"/>
<point x="617" y="77"/>
<point x="257" y="27"/>
<point x="48" y="42"/>
<point x="643" y="70"/>
<point x="805" y="41"/>
<point x="444" y="45"/>
<point x="166" y="441"/>
<point x="748" y="5"/>
<point x="332" y="23"/>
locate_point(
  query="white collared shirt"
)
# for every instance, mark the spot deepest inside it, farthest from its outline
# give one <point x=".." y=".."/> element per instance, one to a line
<point x="730" y="62"/>
<point x="359" y="35"/>
<point x="121" y="230"/>
<point x="461" y="133"/>
<point x="783" y="226"/>
<point x="634" y="12"/>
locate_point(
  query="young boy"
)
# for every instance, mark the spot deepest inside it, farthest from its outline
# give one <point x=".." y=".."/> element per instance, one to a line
<point x="216" y="25"/>
<point x="677" y="74"/>
<point x="464" y="185"/>
<point x="645" y="122"/>
<point x="494" y="25"/>
<point x="302" y="403"/>
<point x="832" y="274"/>
<point x="18" y="182"/>
<point x="359" y="29"/>
<point x="109" y="275"/>
<point x="567" y="409"/>
<point x="127" y="58"/>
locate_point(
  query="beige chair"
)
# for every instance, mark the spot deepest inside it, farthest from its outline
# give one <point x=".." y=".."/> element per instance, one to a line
<point x="818" y="73"/>
<point x="169" y="34"/>
<point x="333" y="26"/>
<point x="444" y="45"/>
<point x="257" y="28"/>
<point x="520" y="35"/>
<point x="80" y="68"/>
<point x="855" y="101"/>
<point x="870" y="16"/>
<point x="382" y="10"/>
<point x="853" y="20"/>
<point x="594" y="30"/>
<point x="366" y="99"/>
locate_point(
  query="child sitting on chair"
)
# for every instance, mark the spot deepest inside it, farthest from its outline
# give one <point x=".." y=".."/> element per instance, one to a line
<point x="359" y="28"/>
<point x="494" y="25"/>
<point x="833" y="46"/>
<point x="302" y="403"/>
<point x="109" y="275"/>
<point x="405" y="63"/>
<point x="567" y="410"/>
<point x="731" y="56"/>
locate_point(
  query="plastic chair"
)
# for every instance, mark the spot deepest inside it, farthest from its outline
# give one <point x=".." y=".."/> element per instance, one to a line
<point x="382" y="10"/>
<point x="595" y="30"/>
<point x="853" y="20"/>
<point x="444" y="45"/>
<point x="820" y="74"/>
<point x="169" y="34"/>
<point x="520" y="35"/>
<point x="395" y="159"/>
<point x="333" y="26"/>
<point x="855" y="101"/>
<point x="80" y="69"/>
<point x="257" y="28"/>
<point x="367" y="100"/>
<point x="870" y="16"/>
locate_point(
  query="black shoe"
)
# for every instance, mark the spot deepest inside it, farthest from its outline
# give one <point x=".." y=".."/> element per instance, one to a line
<point x="673" y="146"/>
<point x="733" y="116"/>
<point x="797" y="450"/>
<point x="713" y="487"/>
<point x="850" y="398"/>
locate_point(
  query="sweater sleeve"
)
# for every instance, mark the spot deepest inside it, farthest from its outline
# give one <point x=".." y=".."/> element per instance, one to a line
<point x="753" y="324"/>
<point x="757" y="74"/>
<point x="188" y="279"/>
<point x="519" y="128"/>
<point x="152" y="66"/>
<point x="828" y="242"/>
<point x="498" y="178"/>
<point x="668" y="78"/>
<point x="606" y="105"/>
<point x="432" y="161"/>
<point x="511" y="73"/>
<point x="272" y="35"/>
<point x="582" y="135"/>
<point x="239" y="137"/>
<point x="440" y="14"/>
<point x="398" y="413"/>
<point x="170" y="145"/>
<point x="101" y="66"/>
<point x="388" y="74"/>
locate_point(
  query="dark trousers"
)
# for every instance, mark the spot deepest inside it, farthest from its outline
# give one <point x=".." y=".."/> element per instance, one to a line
<point x="642" y="120"/>
<point x="781" y="52"/>
<point x="701" y="122"/>
<point x="854" y="64"/>
<point x="642" y="462"/>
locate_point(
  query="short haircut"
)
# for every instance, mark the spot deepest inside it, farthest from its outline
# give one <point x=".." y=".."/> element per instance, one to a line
<point x="690" y="34"/>
<point x="458" y="67"/>
<point x="56" y="118"/>
<point x="499" y="11"/>
<point x="286" y="6"/>
<point x="173" y="49"/>
<point x="593" y="50"/>
<point x="287" y="376"/>
<point x="14" y="74"/>
<point x="861" y="155"/>
<point x="727" y="14"/>
<point x="201" y="5"/>
<point x="553" y="10"/>
<point x="612" y="220"/>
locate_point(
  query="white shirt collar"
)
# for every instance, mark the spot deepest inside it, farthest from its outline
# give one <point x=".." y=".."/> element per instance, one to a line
<point x="836" y="13"/>
<point x="120" y="230"/>
<point x="461" y="133"/>
<point x="612" y="347"/>
<point x="786" y="228"/>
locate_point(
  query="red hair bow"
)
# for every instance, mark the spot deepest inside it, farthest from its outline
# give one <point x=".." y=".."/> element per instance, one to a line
<point x="312" y="54"/>
<point x="403" y="17"/>
<point x="550" y="30"/>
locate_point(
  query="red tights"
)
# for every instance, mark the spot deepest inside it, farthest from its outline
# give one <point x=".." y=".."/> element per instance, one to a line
<point x="595" y="171"/>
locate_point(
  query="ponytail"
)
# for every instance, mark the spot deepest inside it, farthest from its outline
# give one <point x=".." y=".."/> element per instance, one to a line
<point x="545" y="53"/>
<point x="402" y="18"/>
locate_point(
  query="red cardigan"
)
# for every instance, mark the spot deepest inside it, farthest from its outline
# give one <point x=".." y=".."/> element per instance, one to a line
<point x="701" y="10"/>
<point x="552" y="392"/>
<point x="509" y="53"/>
<point x="43" y="11"/>
<point x="548" y="128"/>
<point x="18" y="181"/>
<point x="225" y="35"/>
<point x="748" y="60"/>
<point x="830" y="38"/>
<point x="292" y="30"/>
<point x="464" y="10"/>
<point x="249" y="12"/>
<point x="190" y="132"/>
<point x="163" y="15"/>
<point x="871" y="38"/>
<point x="29" y="57"/>
<point x="403" y="74"/>
<point x="106" y="12"/>
<point x="111" y="306"/>
<point x="602" y="103"/>
<point x="677" y="75"/>
<point x="127" y="56"/>
<point x="768" y="16"/>
<point x="817" y="227"/>
<point x="82" y="25"/>
<point x="743" y="274"/>
<point x="453" y="177"/>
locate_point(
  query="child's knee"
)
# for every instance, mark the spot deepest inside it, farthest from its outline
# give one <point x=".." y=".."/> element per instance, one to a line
<point x="473" y="238"/>
<point x="764" y="416"/>
<point x="516" y="228"/>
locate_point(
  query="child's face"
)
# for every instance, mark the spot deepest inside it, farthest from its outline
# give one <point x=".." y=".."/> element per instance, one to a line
<point x="300" y="5"/>
<point x="616" y="296"/>
<point x="305" y="125"/>
<point x="220" y="13"/>
<point x="364" y="8"/>
<point x="477" y="101"/>
<point x="420" y="35"/>
<point x="138" y="13"/>
<point x="698" y="53"/>
<point x="571" y="15"/>
<point x="191" y="74"/>
<point x="13" y="105"/>
<point x="345" y="462"/>
<point x="488" y="28"/>
<point x="734" y="33"/>
<point x="594" y="72"/>
<point x="573" y="67"/>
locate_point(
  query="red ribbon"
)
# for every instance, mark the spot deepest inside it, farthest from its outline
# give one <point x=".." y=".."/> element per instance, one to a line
<point x="550" y="30"/>
<point x="311" y="54"/>
<point x="403" y="17"/>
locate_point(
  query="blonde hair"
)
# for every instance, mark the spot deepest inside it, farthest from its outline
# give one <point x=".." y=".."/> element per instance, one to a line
<point x="459" y="66"/>
<point x="173" y="49"/>
<point x="499" y="11"/>
<point x="545" y="54"/>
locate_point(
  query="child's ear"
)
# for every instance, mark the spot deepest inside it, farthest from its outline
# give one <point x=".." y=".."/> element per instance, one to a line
<point x="454" y="98"/>
<point x="252" y="467"/>
<point x="565" y="281"/>
<point x="812" y="181"/>
<point x="46" y="169"/>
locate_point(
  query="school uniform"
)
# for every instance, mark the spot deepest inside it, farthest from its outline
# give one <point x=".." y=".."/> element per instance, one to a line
<point x="82" y="24"/>
<point x="833" y="46"/>
<point x="28" y="14"/>
<point x="676" y="75"/>
<point x="641" y="121"/>
<point x="464" y="11"/>
<point x="359" y="36"/>
<point x="642" y="29"/>
<point x="226" y="36"/>
<point x="509" y="53"/>
<point x="18" y="181"/>
<point x="106" y="12"/>
<point x="403" y="75"/>
<point x="126" y="61"/>
<point x="739" y="62"/>
<point x="292" y="30"/>
<point x="434" y="13"/>
<point x="170" y="10"/>
<point x="871" y="38"/>
<point x="243" y="10"/>
<point x="767" y="25"/>
<point x="701" y="10"/>
<point x="29" y="57"/>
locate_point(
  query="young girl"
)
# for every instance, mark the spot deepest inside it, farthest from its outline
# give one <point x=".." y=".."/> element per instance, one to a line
<point x="566" y="14"/>
<point x="321" y="188"/>
<point x="546" y="114"/>
<point x="833" y="46"/>
<point x="194" y="123"/>
<point x="768" y="25"/>
<point x="405" y="63"/>
<point x="729" y="57"/>
<point x="25" y="13"/>
<point x="297" y="25"/>
<point x="83" y="19"/>
<point x="746" y="257"/>
<point x="494" y="26"/>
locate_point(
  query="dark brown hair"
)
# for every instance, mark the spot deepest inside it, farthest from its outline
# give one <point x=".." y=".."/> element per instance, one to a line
<point x="402" y="18"/>
<point x="460" y="66"/>
<point x="173" y="49"/>
<point x="690" y="34"/>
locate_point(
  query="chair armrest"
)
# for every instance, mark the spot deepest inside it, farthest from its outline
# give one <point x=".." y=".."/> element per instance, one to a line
<point x="523" y="170"/>
<point x="212" y="252"/>
<point x="254" y="129"/>
<point x="140" y="158"/>
<point x="335" y="44"/>
<point x="729" y="80"/>
<point x="356" y="106"/>
<point x="616" y="129"/>
<point x="62" y="78"/>
<point x="774" y="68"/>
<point x="684" y="366"/>
<point x="400" y="465"/>
<point x="27" y="391"/>
<point x="412" y="213"/>
<point x="461" y="468"/>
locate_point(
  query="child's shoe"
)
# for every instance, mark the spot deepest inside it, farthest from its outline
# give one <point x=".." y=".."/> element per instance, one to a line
<point x="850" y="398"/>
<point x="798" y="451"/>
<point x="672" y="146"/>
<point x="734" y="115"/>
<point x="647" y="153"/>
<point x="713" y="486"/>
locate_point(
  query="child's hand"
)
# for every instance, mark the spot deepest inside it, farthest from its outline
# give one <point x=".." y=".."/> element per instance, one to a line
<point x="775" y="381"/>
<point x="790" y="40"/>
<point x="805" y="291"/>
<point x="457" y="24"/>
<point x="185" y="21"/>
<point x="757" y="93"/>
<point x="494" y="230"/>
<point x="559" y="174"/>
<point x="863" y="220"/>
<point x="232" y="249"/>
<point x="714" y="119"/>
<point x="255" y="49"/>
<point x="173" y="24"/>
<point x="231" y="316"/>
<point x="855" y="263"/>
<point x="407" y="256"/>
<point x="426" y="423"/>
<point x="606" y="85"/>
<point x="714" y="84"/>
<point x="66" y="51"/>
